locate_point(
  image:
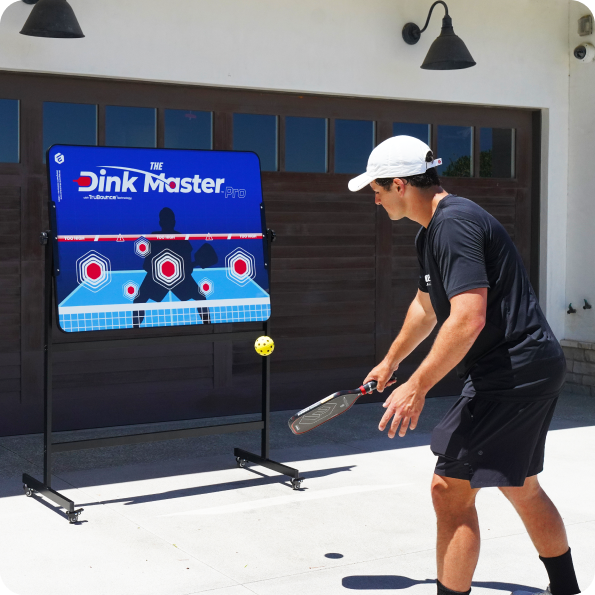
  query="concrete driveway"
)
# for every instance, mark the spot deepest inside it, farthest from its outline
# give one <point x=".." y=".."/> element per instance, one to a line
<point x="179" y="517"/>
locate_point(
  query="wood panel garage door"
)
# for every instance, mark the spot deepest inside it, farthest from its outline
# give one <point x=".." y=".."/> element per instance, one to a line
<point x="342" y="273"/>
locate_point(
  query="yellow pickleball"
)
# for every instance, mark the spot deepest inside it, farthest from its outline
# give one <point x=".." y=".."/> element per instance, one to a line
<point x="264" y="346"/>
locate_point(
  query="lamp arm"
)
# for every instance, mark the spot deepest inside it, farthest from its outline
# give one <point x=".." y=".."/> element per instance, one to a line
<point x="432" y="10"/>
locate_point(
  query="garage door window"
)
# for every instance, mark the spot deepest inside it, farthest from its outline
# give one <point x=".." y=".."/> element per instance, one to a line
<point x="186" y="129"/>
<point x="420" y="131"/>
<point x="130" y="127"/>
<point x="9" y="131"/>
<point x="69" y="124"/>
<point x="354" y="141"/>
<point x="258" y="133"/>
<point x="306" y="144"/>
<point x="455" y="148"/>
<point x="497" y="154"/>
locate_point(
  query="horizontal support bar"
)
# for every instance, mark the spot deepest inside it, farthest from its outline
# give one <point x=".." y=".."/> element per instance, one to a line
<point x="176" y="340"/>
<point x="157" y="436"/>
<point x="274" y="466"/>
<point x="50" y="494"/>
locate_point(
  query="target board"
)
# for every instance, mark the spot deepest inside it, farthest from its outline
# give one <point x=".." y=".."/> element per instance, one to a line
<point x="157" y="237"/>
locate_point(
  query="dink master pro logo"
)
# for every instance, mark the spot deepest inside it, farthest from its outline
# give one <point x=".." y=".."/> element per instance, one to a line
<point x="128" y="179"/>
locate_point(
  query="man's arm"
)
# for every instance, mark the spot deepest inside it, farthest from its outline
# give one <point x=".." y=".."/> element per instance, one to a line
<point x="419" y="322"/>
<point x="457" y="335"/>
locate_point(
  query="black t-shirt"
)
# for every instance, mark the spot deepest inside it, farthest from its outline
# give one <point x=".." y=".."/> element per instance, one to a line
<point x="465" y="248"/>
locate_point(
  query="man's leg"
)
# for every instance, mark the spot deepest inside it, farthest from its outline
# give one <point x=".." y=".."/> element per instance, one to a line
<point x="547" y="532"/>
<point x="457" y="549"/>
<point x="540" y="517"/>
<point x="149" y="290"/>
<point x="188" y="290"/>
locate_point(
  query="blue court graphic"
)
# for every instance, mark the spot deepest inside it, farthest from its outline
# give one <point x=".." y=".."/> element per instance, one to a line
<point x="156" y="237"/>
<point x="84" y="310"/>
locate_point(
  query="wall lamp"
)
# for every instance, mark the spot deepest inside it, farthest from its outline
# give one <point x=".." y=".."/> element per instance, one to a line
<point x="52" y="18"/>
<point x="448" y="52"/>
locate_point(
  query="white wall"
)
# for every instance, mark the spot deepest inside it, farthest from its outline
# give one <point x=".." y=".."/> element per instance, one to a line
<point x="581" y="190"/>
<point x="344" y="47"/>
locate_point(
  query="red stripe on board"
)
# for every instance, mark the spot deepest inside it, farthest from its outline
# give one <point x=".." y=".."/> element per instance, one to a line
<point x="151" y="237"/>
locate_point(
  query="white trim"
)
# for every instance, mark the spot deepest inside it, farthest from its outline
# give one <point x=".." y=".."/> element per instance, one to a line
<point x="162" y="306"/>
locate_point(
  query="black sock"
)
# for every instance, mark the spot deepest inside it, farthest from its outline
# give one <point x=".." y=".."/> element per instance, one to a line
<point x="562" y="576"/>
<point x="442" y="590"/>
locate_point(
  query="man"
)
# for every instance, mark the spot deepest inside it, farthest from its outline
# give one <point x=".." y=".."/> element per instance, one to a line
<point x="186" y="289"/>
<point x="473" y="284"/>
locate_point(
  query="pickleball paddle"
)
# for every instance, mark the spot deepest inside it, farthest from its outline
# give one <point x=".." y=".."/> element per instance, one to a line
<point x="206" y="256"/>
<point x="311" y="417"/>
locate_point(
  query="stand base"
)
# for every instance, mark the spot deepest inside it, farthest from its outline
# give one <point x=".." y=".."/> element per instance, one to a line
<point x="243" y="456"/>
<point x="32" y="485"/>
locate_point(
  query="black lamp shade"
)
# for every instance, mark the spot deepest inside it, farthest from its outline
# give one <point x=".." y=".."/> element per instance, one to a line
<point x="52" y="18"/>
<point x="449" y="51"/>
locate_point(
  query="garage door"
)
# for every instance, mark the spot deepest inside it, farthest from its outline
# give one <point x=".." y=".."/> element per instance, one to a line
<point x="342" y="273"/>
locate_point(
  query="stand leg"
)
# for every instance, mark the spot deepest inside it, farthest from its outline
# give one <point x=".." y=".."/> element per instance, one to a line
<point x="265" y="435"/>
<point x="30" y="484"/>
<point x="242" y="456"/>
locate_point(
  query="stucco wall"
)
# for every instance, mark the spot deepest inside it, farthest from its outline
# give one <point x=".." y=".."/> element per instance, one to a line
<point x="581" y="190"/>
<point x="344" y="47"/>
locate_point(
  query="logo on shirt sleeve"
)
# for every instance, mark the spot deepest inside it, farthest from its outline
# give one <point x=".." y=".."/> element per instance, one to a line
<point x="428" y="282"/>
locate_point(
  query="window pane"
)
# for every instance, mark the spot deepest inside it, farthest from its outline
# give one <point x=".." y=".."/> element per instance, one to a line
<point x="354" y="141"/>
<point x="253" y="132"/>
<point x="130" y="126"/>
<point x="306" y="144"/>
<point x="496" y="157"/>
<point x="420" y="131"/>
<point x="188" y="130"/>
<point x="455" y="148"/>
<point x="9" y="131"/>
<point x="68" y="124"/>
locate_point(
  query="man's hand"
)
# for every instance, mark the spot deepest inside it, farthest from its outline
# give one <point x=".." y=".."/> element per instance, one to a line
<point x="381" y="373"/>
<point x="405" y="404"/>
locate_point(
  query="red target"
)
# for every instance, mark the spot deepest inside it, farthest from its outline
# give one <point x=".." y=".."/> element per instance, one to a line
<point x="240" y="266"/>
<point x="130" y="290"/>
<point x="142" y="247"/>
<point x="168" y="269"/>
<point x="93" y="270"/>
<point x="206" y="286"/>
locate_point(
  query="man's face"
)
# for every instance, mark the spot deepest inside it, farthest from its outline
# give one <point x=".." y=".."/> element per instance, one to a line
<point x="392" y="200"/>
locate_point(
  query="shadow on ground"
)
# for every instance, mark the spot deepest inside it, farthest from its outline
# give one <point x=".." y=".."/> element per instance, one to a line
<point x="357" y="431"/>
<point x="215" y="488"/>
<point x="388" y="582"/>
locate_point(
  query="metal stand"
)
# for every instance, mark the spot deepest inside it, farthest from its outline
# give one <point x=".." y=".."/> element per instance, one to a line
<point x="44" y="488"/>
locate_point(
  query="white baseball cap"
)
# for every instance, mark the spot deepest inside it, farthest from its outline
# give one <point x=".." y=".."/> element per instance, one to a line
<point x="396" y="157"/>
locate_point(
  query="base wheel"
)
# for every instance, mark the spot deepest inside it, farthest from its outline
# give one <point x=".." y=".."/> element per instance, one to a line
<point x="28" y="491"/>
<point x="73" y="517"/>
<point x="296" y="484"/>
<point x="241" y="462"/>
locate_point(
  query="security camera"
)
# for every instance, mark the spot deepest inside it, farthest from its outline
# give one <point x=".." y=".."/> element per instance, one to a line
<point x="585" y="52"/>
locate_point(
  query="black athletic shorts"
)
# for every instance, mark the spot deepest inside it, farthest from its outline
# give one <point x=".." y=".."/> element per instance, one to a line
<point x="496" y="441"/>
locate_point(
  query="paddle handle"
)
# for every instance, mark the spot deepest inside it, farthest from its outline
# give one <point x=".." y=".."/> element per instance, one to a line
<point x="370" y="387"/>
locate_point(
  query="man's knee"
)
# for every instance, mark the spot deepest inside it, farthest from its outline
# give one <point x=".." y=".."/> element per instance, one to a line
<point x="452" y="496"/>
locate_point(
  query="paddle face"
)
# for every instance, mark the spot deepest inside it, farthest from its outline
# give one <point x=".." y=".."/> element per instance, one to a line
<point x="206" y="256"/>
<point x="311" y="417"/>
<point x="315" y="415"/>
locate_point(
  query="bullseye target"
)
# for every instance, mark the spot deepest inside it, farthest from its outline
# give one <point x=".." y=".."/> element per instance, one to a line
<point x="94" y="271"/>
<point x="240" y="266"/>
<point x="130" y="290"/>
<point x="168" y="269"/>
<point x="206" y="286"/>
<point x="142" y="247"/>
